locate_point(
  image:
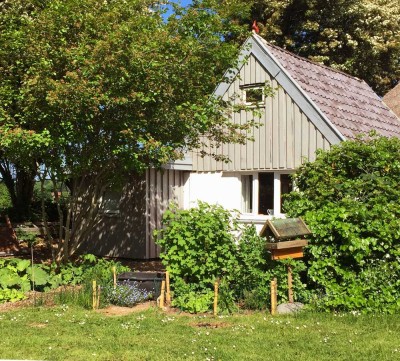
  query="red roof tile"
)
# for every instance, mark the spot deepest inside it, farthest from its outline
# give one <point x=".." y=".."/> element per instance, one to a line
<point x="349" y="103"/>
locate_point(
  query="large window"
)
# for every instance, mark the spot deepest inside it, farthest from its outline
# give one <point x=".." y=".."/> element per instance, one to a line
<point x="262" y="192"/>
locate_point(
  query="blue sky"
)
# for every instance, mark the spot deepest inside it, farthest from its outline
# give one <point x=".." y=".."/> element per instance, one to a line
<point x="182" y="2"/>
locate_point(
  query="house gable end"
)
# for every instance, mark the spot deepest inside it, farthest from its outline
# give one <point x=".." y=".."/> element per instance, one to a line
<point x="254" y="47"/>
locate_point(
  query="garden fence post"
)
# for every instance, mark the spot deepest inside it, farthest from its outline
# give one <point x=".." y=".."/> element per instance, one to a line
<point x="215" y="297"/>
<point x="290" y="284"/>
<point x="274" y="286"/>
<point x="94" y="296"/>
<point x="98" y="296"/>
<point x="115" y="277"/>
<point x="168" y="292"/>
<point x="162" y="294"/>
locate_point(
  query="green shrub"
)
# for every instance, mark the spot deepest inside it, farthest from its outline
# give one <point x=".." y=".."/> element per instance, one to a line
<point x="199" y="247"/>
<point x="349" y="198"/>
<point x="191" y="298"/>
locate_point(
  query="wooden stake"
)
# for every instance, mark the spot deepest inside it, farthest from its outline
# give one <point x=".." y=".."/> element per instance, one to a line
<point x="115" y="276"/>
<point x="98" y="296"/>
<point x="168" y="290"/>
<point x="216" y="298"/>
<point x="290" y="284"/>
<point x="94" y="298"/>
<point x="162" y="294"/>
<point x="274" y="301"/>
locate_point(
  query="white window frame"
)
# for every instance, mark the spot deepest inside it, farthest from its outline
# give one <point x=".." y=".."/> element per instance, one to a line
<point x="277" y="211"/>
<point x="245" y="88"/>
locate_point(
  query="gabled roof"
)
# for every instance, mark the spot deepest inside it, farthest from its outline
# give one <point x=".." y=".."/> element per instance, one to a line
<point x="340" y="105"/>
<point x="392" y="99"/>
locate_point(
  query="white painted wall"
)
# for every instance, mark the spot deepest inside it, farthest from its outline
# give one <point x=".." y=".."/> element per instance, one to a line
<point x="224" y="189"/>
<point x="214" y="188"/>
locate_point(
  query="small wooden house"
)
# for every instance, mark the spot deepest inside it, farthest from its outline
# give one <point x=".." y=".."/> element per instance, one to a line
<point x="313" y="108"/>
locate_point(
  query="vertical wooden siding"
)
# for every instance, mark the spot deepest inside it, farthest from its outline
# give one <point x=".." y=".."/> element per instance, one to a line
<point x="284" y="140"/>
<point x="163" y="187"/>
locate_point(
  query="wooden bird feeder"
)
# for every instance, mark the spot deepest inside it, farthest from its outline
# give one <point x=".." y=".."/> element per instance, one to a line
<point x="283" y="231"/>
<point x="288" y="242"/>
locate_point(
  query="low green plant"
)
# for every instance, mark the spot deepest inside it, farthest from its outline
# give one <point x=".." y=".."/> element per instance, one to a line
<point x="75" y="295"/>
<point x="18" y="275"/>
<point x="88" y="268"/>
<point x="192" y="298"/>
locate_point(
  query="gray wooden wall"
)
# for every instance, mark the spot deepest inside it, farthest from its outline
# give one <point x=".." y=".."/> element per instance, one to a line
<point x="284" y="140"/>
<point x="129" y="234"/>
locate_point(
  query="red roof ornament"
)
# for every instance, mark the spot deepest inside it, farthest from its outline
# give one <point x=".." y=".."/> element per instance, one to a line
<point x="254" y="27"/>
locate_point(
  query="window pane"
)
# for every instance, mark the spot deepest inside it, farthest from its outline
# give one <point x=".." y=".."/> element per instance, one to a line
<point x="247" y="193"/>
<point x="111" y="201"/>
<point x="286" y="186"/>
<point x="286" y="183"/>
<point x="254" y="95"/>
<point x="266" y="193"/>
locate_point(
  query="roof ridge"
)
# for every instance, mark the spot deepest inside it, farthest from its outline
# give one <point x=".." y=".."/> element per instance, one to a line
<point x="310" y="61"/>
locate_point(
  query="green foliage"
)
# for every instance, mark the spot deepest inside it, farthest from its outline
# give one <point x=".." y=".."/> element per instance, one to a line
<point x="113" y="87"/>
<point x="17" y="275"/>
<point x="5" y="200"/>
<point x="15" y="279"/>
<point x="26" y="236"/>
<point x="199" y="247"/>
<point x="349" y="198"/>
<point x="198" y="244"/>
<point x="256" y="270"/>
<point x="360" y="37"/>
<point x="190" y="297"/>
<point x="89" y="268"/>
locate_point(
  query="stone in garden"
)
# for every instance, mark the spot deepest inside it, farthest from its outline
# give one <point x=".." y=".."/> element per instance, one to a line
<point x="287" y="308"/>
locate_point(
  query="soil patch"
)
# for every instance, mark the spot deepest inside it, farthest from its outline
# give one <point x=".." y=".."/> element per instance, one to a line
<point x="210" y="324"/>
<point x="122" y="311"/>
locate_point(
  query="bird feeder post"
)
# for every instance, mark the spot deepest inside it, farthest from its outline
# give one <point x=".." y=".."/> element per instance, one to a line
<point x="290" y="284"/>
<point x="284" y="233"/>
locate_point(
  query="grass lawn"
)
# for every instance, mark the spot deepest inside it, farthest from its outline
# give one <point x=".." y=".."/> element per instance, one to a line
<point x="68" y="333"/>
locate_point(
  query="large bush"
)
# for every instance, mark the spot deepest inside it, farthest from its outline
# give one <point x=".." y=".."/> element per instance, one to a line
<point x="349" y="197"/>
<point x="201" y="245"/>
<point x="198" y="244"/>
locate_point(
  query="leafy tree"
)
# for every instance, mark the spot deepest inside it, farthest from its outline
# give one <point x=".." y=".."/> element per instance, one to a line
<point x="349" y="197"/>
<point x="17" y="172"/>
<point x="360" y="37"/>
<point x="94" y="90"/>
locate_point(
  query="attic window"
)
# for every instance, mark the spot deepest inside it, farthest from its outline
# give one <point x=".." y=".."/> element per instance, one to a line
<point x="253" y="94"/>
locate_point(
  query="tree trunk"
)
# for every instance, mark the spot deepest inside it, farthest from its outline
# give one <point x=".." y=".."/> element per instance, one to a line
<point x="20" y="183"/>
<point x="24" y="186"/>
